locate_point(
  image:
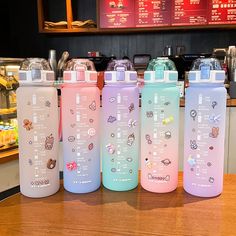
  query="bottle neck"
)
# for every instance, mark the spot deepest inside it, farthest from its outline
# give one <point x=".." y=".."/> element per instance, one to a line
<point x="75" y="85"/>
<point x="120" y="84"/>
<point x="202" y="85"/>
<point x="160" y="85"/>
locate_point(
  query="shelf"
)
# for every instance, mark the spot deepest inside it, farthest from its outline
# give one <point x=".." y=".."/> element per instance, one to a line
<point x="134" y="30"/>
<point x="71" y="30"/>
<point x="10" y="155"/>
<point x="6" y="116"/>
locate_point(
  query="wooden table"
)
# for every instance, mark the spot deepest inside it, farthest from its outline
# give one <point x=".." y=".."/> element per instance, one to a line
<point x="136" y="212"/>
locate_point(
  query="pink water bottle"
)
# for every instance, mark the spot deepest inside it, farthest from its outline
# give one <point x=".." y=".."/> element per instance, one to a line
<point x="80" y="127"/>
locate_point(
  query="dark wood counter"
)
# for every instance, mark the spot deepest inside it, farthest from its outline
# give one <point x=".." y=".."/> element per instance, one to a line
<point x="136" y="212"/>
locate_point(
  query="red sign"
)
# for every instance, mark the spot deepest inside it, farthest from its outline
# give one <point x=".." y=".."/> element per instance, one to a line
<point x="117" y="14"/>
<point x="189" y="12"/>
<point x="155" y="13"/>
<point x="222" y="11"/>
<point x="151" y="13"/>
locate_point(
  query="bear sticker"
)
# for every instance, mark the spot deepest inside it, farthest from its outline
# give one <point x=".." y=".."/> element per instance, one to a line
<point x="214" y="132"/>
<point x="49" y="142"/>
<point x="51" y="164"/>
<point x="27" y="124"/>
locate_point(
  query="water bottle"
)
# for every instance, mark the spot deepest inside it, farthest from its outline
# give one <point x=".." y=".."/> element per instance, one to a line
<point x="37" y="115"/>
<point x="159" y="127"/>
<point x="120" y="118"/>
<point x="205" y="111"/>
<point x="80" y="104"/>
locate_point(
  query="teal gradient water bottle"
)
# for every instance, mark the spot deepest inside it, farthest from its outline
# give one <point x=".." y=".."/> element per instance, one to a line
<point x="120" y="137"/>
<point x="159" y="127"/>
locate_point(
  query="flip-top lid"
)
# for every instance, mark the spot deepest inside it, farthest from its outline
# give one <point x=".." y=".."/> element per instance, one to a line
<point x="36" y="71"/>
<point x="206" y="70"/>
<point x="161" y="70"/>
<point x="120" y="71"/>
<point x="80" y="70"/>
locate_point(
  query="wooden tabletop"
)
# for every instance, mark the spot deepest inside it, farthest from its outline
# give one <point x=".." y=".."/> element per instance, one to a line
<point x="136" y="212"/>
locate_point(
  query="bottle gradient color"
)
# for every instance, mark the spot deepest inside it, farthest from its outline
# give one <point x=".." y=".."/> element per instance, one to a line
<point x="160" y="129"/>
<point x="120" y="122"/>
<point x="80" y="129"/>
<point x="205" y="111"/>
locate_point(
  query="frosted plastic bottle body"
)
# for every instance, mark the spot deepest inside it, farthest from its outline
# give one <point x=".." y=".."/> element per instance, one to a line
<point x="37" y="115"/>
<point x="120" y="139"/>
<point x="80" y="129"/>
<point x="159" y="137"/>
<point x="205" y="111"/>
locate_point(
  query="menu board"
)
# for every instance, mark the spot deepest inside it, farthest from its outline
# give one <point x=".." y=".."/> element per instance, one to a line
<point x="161" y="13"/>
<point x="222" y="11"/>
<point x="117" y="14"/>
<point x="189" y="12"/>
<point x="151" y="13"/>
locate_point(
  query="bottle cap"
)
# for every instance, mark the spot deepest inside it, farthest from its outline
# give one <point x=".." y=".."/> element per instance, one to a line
<point x="161" y="70"/>
<point x="80" y="70"/>
<point x="120" y="71"/>
<point x="36" y="71"/>
<point x="206" y="70"/>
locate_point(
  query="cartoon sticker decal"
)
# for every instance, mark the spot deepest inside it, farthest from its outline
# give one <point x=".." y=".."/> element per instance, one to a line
<point x="193" y="144"/>
<point x="214" y="119"/>
<point x="71" y="166"/>
<point x="47" y="104"/>
<point x="131" y="107"/>
<point x="191" y="161"/>
<point x="51" y="164"/>
<point x="111" y="119"/>
<point x="148" y="138"/>
<point x="149" y="114"/>
<point x="166" y="162"/>
<point x="211" y="180"/>
<point x="167" y="103"/>
<point x="209" y="164"/>
<point x="148" y="163"/>
<point x="214" y="132"/>
<point x="112" y="99"/>
<point x="49" y="142"/>
<point x="193" y="114"/>
<point x="110" y="148"/>
<point x="168" y="120"/>
<point x="92" y="106"/>
<point x="214" y="104"/>
<point x="132" y="123"/>
<point x="90" y="146"/>
<point x="91" y="132"/>
<point x="27" y="124"/>
<point x="131" y="139"/>
<point x="167" y="135"/>
<point x="30" y="162"/>
<point x="71" y="139"/>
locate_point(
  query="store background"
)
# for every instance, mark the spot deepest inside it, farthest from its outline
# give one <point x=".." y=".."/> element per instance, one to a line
<point x="20" y="36"/>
